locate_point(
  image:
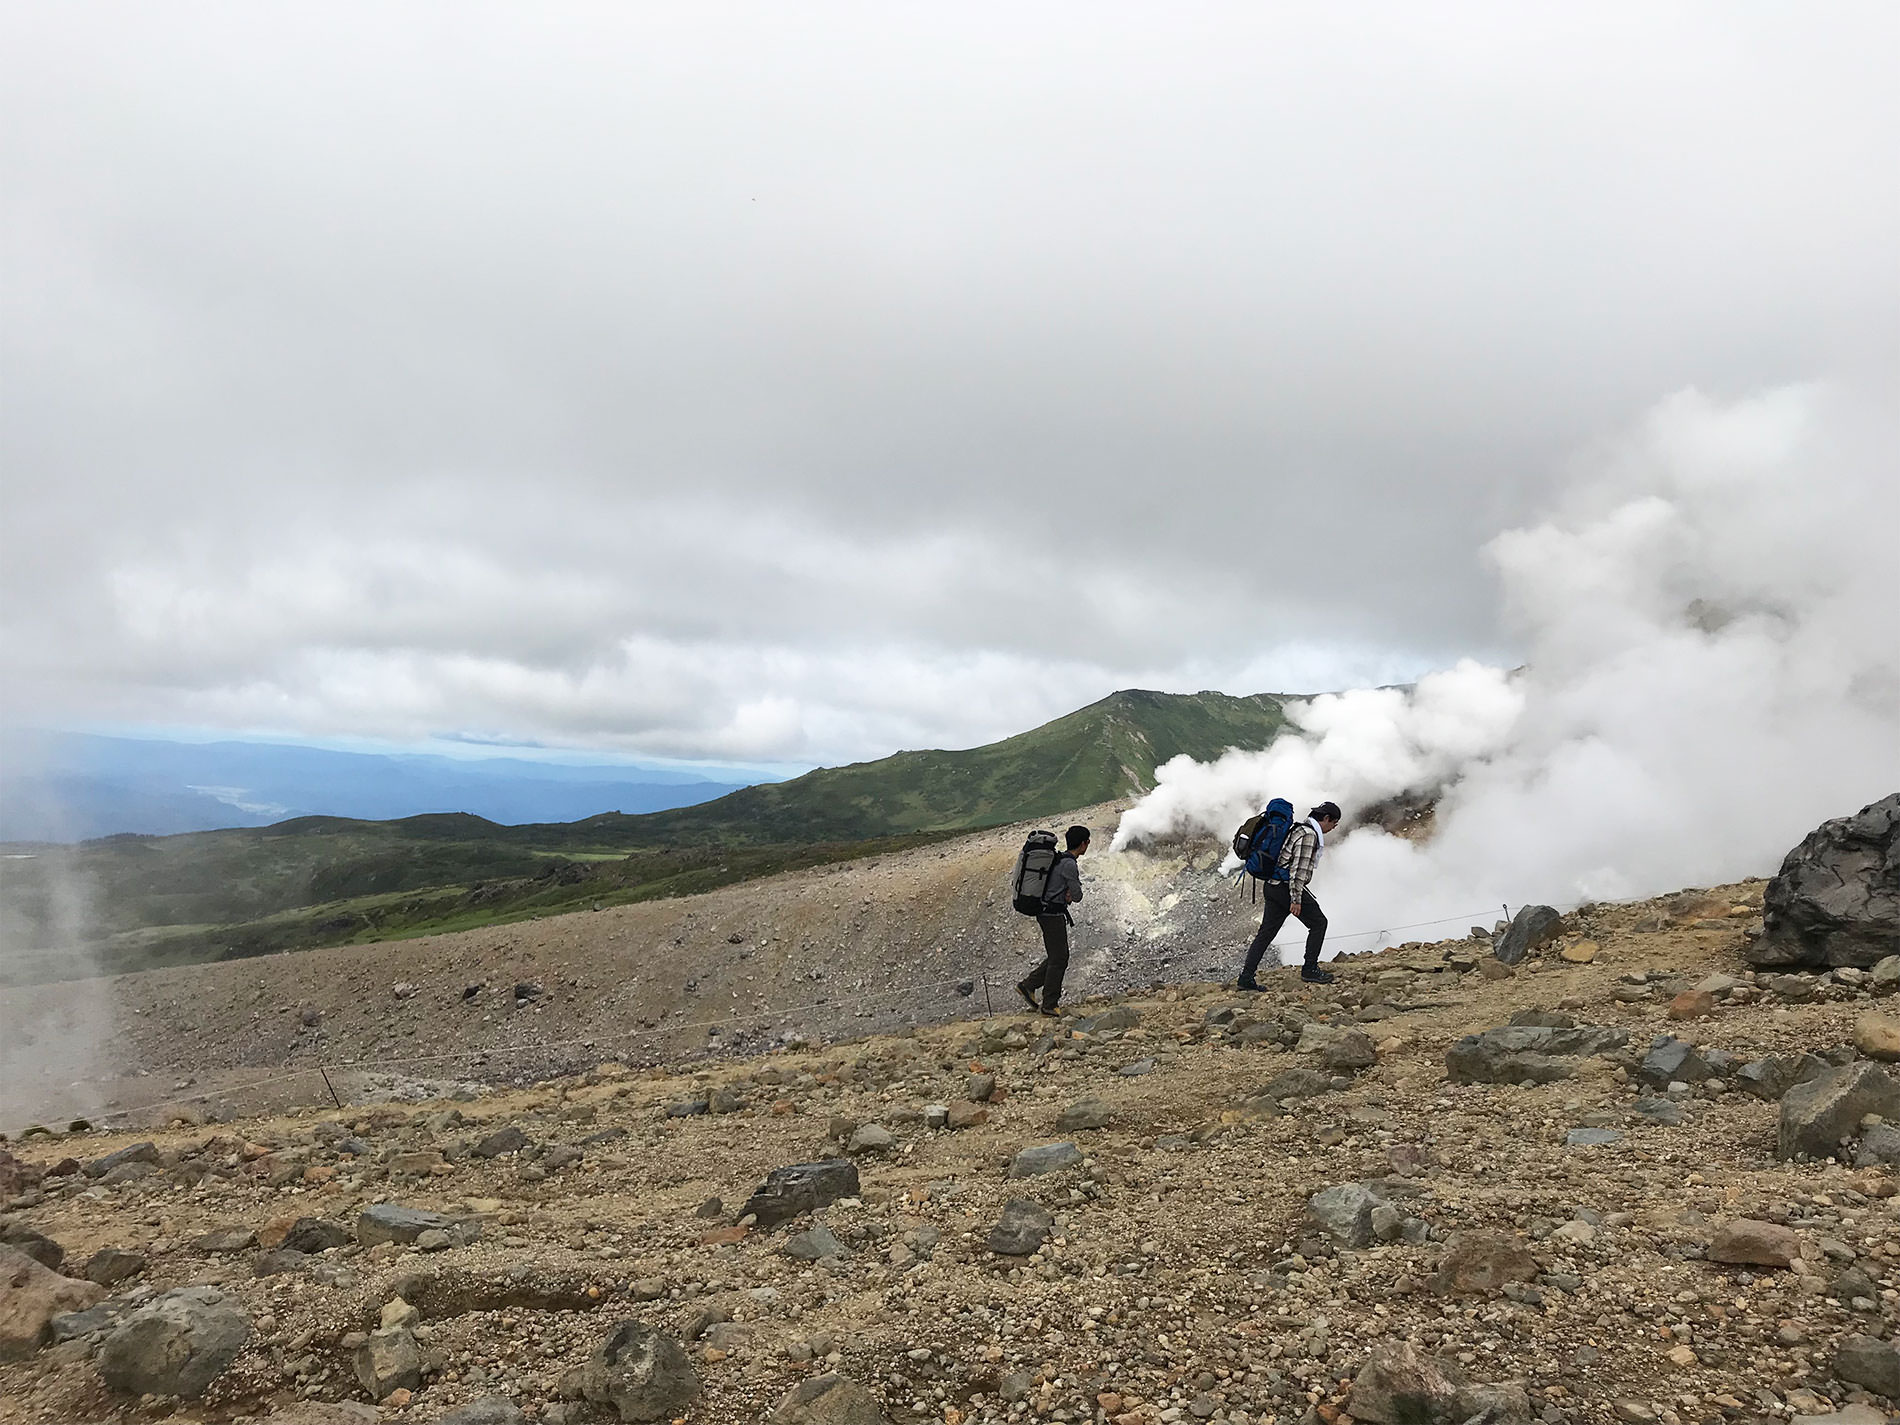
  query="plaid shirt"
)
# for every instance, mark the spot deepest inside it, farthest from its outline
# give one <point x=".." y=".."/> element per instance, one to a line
<point x="1297" y="855"/>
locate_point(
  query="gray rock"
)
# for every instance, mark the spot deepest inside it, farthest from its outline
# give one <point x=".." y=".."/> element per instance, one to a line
<point x="1671" y="1060"/>
<point x="31" y="1298"/>
<point x="1871" y="1362"/>
<point x="1836" y="898"/>
<point x="490" y="1410"/>
<point x="315" y="1234"/>
<point x="1048" y="1158"/>
<point x="37" y="1245"/>
<point x="1120" y="1017"/>
<point x="1885" y="978"/>
<point x="980" y="1088"/>
<point x="137" y="1153"/>
<point x="1818" y="1116"/>
<point x="1665" y="1111"/>
<point x="1023" y="1227"/>
<point x="1401" y="1385"/>
<point x="226" y="1240"/>
<point x="1013" y="1386"/>
<point x="687" y="1108"/>
<point x="724" y="1099"/>
<point x="176" y="1345"/>
<point x="814" y="1244"/>
<point x="871" y="1138"/>
<point x="1349" y="1049"/>
<point x="1136" y="1069"/>
<point x="1482" y="1261"/>
<point x="1766" y="1078"/>
<point x="1592" y="1137"/>
<point x="388" y="1222"/>
<point x="280" y="1262"/>
<point x="389" y="1361"/>
<point x="801" y="1187"/>
<point x="1879" y="1147"/>
<point x="1528" y="1053"/>
<point x="503" y="1140"/>
<point x="828" y="1400"/>
<point x="1297" y="1084"/>
<point x="90" y="1322"/>
<point x="643" y="1375"/>
<point x="1344" y="1213"/>
<point x="1084" y="1113"/>
<point x="1531" y="927"/>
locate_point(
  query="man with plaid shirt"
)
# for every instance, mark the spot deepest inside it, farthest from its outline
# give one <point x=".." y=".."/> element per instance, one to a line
<point x="1288" y="895"/>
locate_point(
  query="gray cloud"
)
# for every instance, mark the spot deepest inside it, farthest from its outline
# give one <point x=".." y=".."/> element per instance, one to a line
<point x="806" y="383"/>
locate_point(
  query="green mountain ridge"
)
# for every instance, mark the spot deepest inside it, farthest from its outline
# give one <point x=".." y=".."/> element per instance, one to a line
<point x="320" y="880"/>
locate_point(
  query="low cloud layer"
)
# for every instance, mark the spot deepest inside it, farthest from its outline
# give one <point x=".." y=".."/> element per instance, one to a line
<point x="1713" y="669"/>
<point x="741" y="382"/>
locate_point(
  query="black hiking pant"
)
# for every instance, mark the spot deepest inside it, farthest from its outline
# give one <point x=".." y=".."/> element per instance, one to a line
<point x="1047" y="976"/>
<point x="1279" y="905"/>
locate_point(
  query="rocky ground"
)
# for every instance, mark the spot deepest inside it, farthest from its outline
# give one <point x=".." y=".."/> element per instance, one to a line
<point x="1665" y="1194"/>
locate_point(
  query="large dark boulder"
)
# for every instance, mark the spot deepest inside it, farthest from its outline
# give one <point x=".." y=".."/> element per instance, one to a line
<point x="1531" y="927"/>
<point x="1836" y="899"/>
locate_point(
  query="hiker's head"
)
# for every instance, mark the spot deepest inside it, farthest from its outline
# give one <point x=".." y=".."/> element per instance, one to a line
<point x="1078" y="839"/>
<point x="1326" y="814"/>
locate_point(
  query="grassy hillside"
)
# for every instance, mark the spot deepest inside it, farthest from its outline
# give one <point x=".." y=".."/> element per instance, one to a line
<point x="136" y="901"/>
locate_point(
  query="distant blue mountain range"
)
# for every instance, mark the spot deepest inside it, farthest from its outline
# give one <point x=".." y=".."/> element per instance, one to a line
<point x="74" y="786"/>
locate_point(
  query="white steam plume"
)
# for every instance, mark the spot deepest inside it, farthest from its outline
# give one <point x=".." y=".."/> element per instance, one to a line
<point x="1713" y="667"/>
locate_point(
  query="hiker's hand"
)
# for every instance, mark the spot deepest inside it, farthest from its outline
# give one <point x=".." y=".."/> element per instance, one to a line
<point x="1293" y="906"/>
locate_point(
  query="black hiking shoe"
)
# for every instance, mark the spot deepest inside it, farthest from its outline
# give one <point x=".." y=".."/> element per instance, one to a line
<point x="1248" y="982"/>
<point x="1028" y="998"/>
<point x="1052" y="1012"/>
<point x="1317" y="976"/>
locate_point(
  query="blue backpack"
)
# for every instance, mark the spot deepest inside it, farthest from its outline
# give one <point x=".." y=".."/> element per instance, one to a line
<point x="1260" y="838"/>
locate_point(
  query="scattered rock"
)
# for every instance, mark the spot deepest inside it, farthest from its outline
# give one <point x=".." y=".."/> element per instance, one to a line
<point x="979" y="1088"/>
<point x="966" y="1114"/>
<point x="503" y="1140"/>
<point x="1836" y="898"/>
<point x="1591" y="1137"/>
<point x="146" y="1153"/>
<point x="1085" y="1113"/>
<point x="1671" y="1061"/>
<point x="1344" y="1213"/>
<point x="1048" y="1158"/>
<point x="1879" y="1147"/>
<point x="387" y="1362"/>
<point x="643" y="1375"/>
<point x="388" y="1222"/>
<point x="871" y="1138"/>
<point x="828" y="1400"/>
<point x="1023" y="1227"/>
<point x="176" y="1345"/>
<point x="490" y="1410"/>
<point x="814" y="1244"/>
<point x="1870" y="1362"/>
<point x="801" y="1187"/>
<point x="1483" y="1261"/>
<point x="37" y="1245"/>
<point x="1878" y="1037"/>
<point x="1582" y="953"/>
<point x="1692" y="1004"/>
<point x="1820" y="1115"/>
<point x="31" y="1295"/>
<point x="1528" y="1053"/>
<point x="314" y="1234"/>
<point x="1744" y="1241"/>
<point x="1531" y="927"/>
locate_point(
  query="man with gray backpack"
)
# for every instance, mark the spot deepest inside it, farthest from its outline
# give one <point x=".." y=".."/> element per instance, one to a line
<point x="1281" y="854"/>
<point x="1047" y="882"/>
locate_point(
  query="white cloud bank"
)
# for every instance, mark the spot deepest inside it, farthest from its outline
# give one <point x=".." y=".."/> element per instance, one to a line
<point x="1713" y="667"/>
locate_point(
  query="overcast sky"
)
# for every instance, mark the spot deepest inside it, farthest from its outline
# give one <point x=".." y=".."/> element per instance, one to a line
<point x="797" y="383"/>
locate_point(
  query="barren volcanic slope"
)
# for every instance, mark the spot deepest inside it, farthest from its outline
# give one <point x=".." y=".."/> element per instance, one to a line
<point x="1268" y="1196"/>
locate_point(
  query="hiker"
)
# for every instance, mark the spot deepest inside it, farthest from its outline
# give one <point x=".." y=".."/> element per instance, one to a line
<point x="1062" y="890"/>
<point x="1299" y="854"/>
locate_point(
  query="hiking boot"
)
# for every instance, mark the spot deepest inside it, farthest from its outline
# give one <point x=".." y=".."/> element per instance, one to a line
<point x="1053" y="1011"/>
<point x="1317" y="976"/>
<point x="1248" y="982"/>
<point x="1029" y="997"/>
